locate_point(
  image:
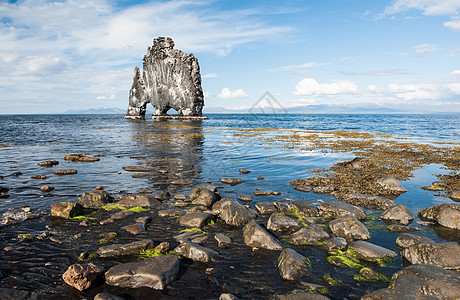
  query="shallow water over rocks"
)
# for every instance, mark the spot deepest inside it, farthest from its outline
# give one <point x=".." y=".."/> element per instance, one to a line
<point x="196" y="152"/>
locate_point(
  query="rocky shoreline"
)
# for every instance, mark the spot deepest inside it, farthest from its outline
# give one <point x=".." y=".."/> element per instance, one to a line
<point x="157" y="245"/>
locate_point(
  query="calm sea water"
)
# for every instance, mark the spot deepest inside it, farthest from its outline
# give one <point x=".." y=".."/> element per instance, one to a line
<point x="203" y="151"/>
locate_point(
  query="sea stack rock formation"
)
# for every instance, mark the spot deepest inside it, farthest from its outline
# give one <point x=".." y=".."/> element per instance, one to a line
<point x="170" y="79"/>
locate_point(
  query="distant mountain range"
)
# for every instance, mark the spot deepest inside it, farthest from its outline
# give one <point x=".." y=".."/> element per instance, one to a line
<point x="96" y="111"/>
<point x="307" y="109"/>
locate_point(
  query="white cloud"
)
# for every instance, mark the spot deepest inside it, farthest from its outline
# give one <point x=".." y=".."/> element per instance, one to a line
<point x="295" y="67"/>
<point x="455" y="72"/>
<point x="429" y="7"/>
<point x="228" y="94"/>
<point x="372" y="88"/>
<point x="209" y="75"/>
<point x="425" y="91"/>
<point x="309" y="86"/>
<point x="111" y="97"/>
<point x="425" y="49"/>
<point x="80" y="49"/>
<point x="206" y="94"/>
<point x="454" y="25"/>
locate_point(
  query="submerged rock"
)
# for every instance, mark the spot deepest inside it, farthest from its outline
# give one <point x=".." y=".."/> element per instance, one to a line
<point x="444" y="255"/>
<point x="256" y="236"/>
<point x="155" y="272"/>
<point x="82" y="276"/>
<point x="170" y="79"/>
<point x="292" y="265"/>
<point x="447" y="215"/>
<point x="80" y="158"/>
<point x="422" y="281"/>
<point x="398" y="213"/>
<point x="349" y="227"/>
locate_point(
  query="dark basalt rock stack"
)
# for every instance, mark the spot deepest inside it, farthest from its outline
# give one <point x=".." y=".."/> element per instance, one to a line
<point x="170" y="79"/>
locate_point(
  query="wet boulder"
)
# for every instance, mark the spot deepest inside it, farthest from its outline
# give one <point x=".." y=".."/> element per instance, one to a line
<point x="421" y="281"/>
<point x="114" y="250"/>
<point x="369" y="201"/>
<point x="46" y="188"/>
<point x="371" y="252"/>
<point x="222" y="239"/>
<point x="134" y="228"/>
<point x="133" y="200"/>
<point x="245" y="198"/>
<point x="266" y="193"/>
<point x="236" y="214"/>
<point x="280" y="222"/>
<point x="196" y="219"/>
<point x="171" y="212"/>
<point x="340" y="209"/>
<point x="220" y="205"/>
<point x="300" y="295"/>
<point x="255" y="235"/>
<point x="82" y="276"/>
<point x="94" y="199"/>
<point x="136" y="169"/>
<point x="265" y="208"/>
<point x="447" y="215"/>
<point x="195" y="236"/>
<point x="398" y="213"/>
<point x="155" y="272"/>
<point x="196" y="252"/>
<point x="48" y="163"/>
<point x="444" y="255"/>
<point x="406" y="239"/>
<point x="231" y="181"/>
<point x="203" y="196"/>
<point x="107" y="296"/>
<point x="349" y="227"/>
<point x="66" y="210"/>
<point x="389" y="184"/>
<point x="454" y="195"/>
<point x="304" y="208"/>
<point x="309" y="235"/>
<point x="292" y="265"/>
<point x="65" y="172"/>
<point x="336" y="243"/>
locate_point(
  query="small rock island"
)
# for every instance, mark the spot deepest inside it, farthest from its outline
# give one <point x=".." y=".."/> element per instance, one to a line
<point x="170" y="79"/>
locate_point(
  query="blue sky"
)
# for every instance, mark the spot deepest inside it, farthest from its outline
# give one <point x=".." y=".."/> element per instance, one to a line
<point x="400" y="54"/>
